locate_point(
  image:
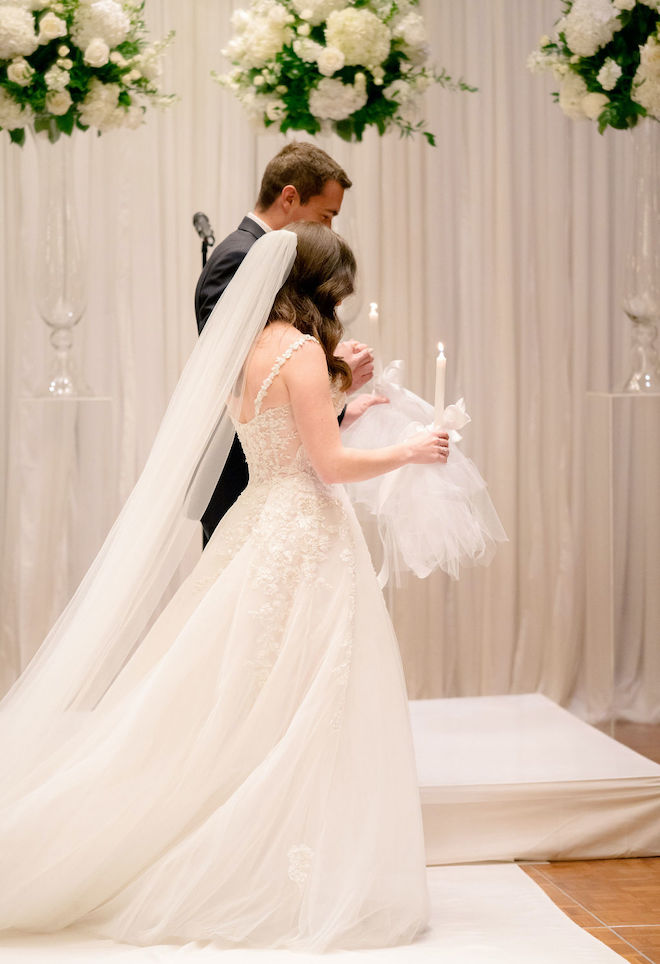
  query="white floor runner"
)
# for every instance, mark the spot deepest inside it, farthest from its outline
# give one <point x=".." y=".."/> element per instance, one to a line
<point x="482" y="914"/>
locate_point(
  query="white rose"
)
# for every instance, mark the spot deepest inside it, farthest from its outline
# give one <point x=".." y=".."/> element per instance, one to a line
<point x="330" y="60"/>
<point x="359" y="34"/>
<point x="333" y="100"/>
<point x="51" y="27"/>
<point x="58" y="101"/>
<point x="594" y="104"/>
<point x="17" y="36"/>
<point x="105" y="19"/>
<point x="276" y="110"/>
<point x="20" y="72"/>
<point x="590" y="25"/>
<point x="97" y="53"/>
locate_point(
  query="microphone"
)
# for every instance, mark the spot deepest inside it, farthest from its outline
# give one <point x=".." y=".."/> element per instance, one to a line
<point x="203" y="227"/>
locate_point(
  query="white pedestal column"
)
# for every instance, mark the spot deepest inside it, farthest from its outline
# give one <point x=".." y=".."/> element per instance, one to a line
<point x="622" y="643"/>
<point x="66" y="501"/>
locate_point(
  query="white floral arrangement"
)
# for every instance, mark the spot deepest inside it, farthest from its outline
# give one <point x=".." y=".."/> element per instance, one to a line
<point x="332" y="64"/>
<point x="76" y="63"/>
<point x="606" y="56"/>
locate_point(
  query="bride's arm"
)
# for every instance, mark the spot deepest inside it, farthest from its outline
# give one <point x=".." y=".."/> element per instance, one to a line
<point x="306" y="378"/>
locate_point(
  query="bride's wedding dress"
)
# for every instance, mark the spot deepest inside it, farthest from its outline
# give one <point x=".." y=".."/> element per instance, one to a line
<point x="249" y="776"/>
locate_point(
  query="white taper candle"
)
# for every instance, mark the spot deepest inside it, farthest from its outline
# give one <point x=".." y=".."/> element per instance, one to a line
<point x="440" y="367"/>
<point x="374" y="336"/>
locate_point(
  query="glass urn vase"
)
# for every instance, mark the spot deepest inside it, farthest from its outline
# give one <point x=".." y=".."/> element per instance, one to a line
<point x="60" y="285"/>
<point x="642" y="298"/>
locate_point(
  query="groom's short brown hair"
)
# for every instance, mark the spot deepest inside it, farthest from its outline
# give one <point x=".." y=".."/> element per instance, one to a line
<point x="303" y="165"/>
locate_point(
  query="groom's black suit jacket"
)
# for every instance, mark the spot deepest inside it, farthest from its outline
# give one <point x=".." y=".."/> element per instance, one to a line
<point x="216" y="275"/>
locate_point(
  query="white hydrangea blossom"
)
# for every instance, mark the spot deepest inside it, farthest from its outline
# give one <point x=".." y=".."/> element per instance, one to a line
<point x="572" y="92"/>
<point x="541" y="60"/>
<point x="17" y="36"/>
<point x="646" y="82"/>
<point x="608" y="74"/>
<point x="12" y="115"/>
<point x="316" y="11"/>
<point x="308" y="50"/>
<point x="56" y="78"/>
<point x="333" y="100"/>
<point x="102" y="19"/>
<point x="26" y="4"/>
<point x="261" y="36"/>
<point x="360" y="35"/>
<point x="411" y="30"/>
<point x="149" y="63"/>
<point x="590" y="24"/>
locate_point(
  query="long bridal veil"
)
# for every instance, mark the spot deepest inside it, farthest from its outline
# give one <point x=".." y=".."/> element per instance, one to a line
<point x="105" y="621"/>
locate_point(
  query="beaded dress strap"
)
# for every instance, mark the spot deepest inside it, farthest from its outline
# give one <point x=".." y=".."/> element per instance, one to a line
<point x="268" y="381"/>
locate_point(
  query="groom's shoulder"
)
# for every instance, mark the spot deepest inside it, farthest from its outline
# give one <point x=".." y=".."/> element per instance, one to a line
<point x="240" y="240"/>
<point x="222" y="265"/>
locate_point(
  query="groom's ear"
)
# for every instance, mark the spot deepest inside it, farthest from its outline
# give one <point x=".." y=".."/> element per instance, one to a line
<point x="289" y="197"/>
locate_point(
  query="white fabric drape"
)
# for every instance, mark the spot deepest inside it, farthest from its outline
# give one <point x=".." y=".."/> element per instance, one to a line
<point x="507" y="242"/>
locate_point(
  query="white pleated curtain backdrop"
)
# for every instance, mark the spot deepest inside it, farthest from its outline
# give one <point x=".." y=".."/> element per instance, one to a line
<point x="506" y="242"/>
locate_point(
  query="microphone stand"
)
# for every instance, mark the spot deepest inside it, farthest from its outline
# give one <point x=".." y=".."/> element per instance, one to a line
<point x="205" y="231"/>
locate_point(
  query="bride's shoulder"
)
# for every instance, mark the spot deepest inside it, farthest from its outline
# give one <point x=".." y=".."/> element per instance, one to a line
<point x="279" y="338"/>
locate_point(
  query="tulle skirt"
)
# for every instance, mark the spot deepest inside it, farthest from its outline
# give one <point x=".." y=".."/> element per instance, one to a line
<point x="249" y="777"/>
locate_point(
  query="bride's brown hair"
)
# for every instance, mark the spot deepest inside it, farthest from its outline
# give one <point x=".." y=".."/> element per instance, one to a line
<point x="322" y="275"/>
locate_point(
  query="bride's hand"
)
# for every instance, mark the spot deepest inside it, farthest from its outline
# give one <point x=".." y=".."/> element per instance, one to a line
<point x="428" y="447"/>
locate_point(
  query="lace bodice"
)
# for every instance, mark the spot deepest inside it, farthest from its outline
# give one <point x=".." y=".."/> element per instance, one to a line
<point x="269" y="439"/>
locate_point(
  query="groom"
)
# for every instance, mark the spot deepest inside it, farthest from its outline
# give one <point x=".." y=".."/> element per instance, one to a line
<point x="301" y="183"/>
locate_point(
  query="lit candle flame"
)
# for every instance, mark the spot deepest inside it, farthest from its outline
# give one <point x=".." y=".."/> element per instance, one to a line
<point x="373" y="306"/>
<point x="441" y="348"/>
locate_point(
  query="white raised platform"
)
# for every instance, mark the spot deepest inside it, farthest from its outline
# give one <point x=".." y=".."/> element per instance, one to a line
<point x="519" y="778"/>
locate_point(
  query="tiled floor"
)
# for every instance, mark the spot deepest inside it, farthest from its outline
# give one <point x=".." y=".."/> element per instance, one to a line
<point x="617" y="901"/>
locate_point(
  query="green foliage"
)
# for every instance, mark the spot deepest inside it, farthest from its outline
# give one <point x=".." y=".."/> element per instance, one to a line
<point x="289" y="81"/>
<point x="637" y="25"/>
<point x="133" y="86"/>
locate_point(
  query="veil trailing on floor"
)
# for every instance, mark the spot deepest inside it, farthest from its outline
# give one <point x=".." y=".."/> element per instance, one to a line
<point x="108" y="615"/>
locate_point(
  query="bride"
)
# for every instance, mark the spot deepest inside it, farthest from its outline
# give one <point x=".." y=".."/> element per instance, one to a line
<point x="239" y="769"/>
